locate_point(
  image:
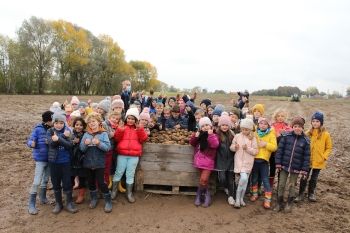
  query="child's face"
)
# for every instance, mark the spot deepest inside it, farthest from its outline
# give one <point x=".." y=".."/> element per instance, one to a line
<point x="245" y="131"/>
<point x="234" y="118"/>
<point x="68" y="109"/>
<point x="181" y="104"/>
<point x="82" y="110"/>
<point x="166" y="114"/>
<point x="95" y="109"/>
<point x="297" y="129"/>
<point x="154" y="102"/>
<point x="197" y="117"/>
<point x="139" y="108"/>
<point x="210" y="111"/>
<point x="101" y="111"/>
<point x="152" y="123"/>
<point x="280" y="118"/>
<point x="203" y="106"/>
<point x="205" y="127"/>
<point x="71" y="119"/>
<point x="74" y="106"/>
<point x="175" y="114"/>
<point x="215" y="118"/>
<point x="171" y="102"/>
<point x="130" y="120"/>
<point x="118" y="109"/>
<point x="93" y="124"/>
<point x="159" y="110"/>
<point x="263" y="125"/>
<point x="256" y="114"/>
<point x="316" y="123"/>
<point x="143" y="122"/>
<point x="58" y="125"/>
<point x="49" y="123"/>
<point x="224" y="128"/>
<point x="114" y="119"/>
<point x="78" y="126"/>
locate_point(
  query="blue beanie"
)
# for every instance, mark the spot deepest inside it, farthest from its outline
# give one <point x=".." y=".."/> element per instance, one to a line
<point x="318" y="116"/>
<point x="216" y="112"/>
<point x="82" y="104"/>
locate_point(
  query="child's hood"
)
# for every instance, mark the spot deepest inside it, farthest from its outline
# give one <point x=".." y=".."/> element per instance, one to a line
<point x="101" y="129"/>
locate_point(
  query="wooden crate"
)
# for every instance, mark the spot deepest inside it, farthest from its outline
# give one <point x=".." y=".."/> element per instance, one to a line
<point x="168" y="169"/>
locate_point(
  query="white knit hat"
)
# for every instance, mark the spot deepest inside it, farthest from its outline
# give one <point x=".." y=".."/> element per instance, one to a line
<point x="247" y="123"/>
<point x="132" y="112"/>
<point x="204" y="121"/>
<point x="76" y="113"/>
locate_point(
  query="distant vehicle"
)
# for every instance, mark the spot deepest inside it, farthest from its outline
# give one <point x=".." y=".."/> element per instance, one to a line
<point x="295" y="98"/>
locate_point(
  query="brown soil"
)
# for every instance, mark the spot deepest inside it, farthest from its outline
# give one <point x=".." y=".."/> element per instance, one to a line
<point x="165" y="213"/>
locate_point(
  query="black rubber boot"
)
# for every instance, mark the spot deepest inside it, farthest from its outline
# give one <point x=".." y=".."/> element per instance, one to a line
<point x="42" y="197"/>
<point x="31" y="208"/>
<point x="129" y="194"/>
<point x="279" y="204"/>
<point x="302" y="187"/>
<point x="93" y="202"/>
<point x="69" y="207"/>
<point x="108" y="206"/>
<point x="114" y="190"/>
<point x="312" y="186"/>
<point x="59" y="204"/>
<point x="288" y="208"/>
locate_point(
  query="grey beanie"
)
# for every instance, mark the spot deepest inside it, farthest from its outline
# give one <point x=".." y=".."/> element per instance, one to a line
<point x="59" y="115"/>
<point x="105" y="105"/>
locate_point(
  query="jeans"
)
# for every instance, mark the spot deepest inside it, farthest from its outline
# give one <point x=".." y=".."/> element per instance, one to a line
<point x="293" y="177"/>
<point x="128" y="163"/>
<point x="204" y="178"/>
<point x="61" y="173"/>
<point x="226" y="179"/>
<point x="97" y="175"/>
<point x="41" y="176"/>
<point x="315" y="173"/>
<point x="261" y="168"/>
<point x="243" y="181"/>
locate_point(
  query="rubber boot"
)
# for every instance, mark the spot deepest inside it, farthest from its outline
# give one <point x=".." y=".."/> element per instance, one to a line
<point x="207" y="200"/>
<point x="110" y="185"/>
<point x="129" y="194"/>
<point x="288" y="208"/>
<point x="69" y="207"/>
<point x="302" y="187"/>
<point x="31" y="208"/>
<point x="198" y="197"/>
<point x="108" y="206"/>
<point x="42" y="197"/>
<point x="312" y="186"/>
<point x="120" y="188"/>
<point x="59" y="204"/>
<point x="80" y="198"/>
<point x="255" y="193"/>
<point x="243" y="204"/>
<point x="93" y="202"/>
<point x="272" y="182"/>
<point x="267" y="201"/>
<point x="279" y="204"/>
<point x="114" y="190"/>
<point x="238" y="199"/>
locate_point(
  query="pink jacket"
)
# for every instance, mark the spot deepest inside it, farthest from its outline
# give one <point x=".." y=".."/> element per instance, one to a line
<point x="244" y="159"/>
<point x="205" y="159"/>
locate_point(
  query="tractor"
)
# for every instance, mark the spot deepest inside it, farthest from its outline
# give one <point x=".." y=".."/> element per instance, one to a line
<point x="295" y="98"/>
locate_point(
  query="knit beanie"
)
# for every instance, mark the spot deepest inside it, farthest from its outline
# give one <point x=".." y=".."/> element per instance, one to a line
<point x="117" y="103"/>
<point x="59" y="115"/>
<point x="94" y="105"/>
<point x="297" y="121"/>
<point x="82" y="104"/>
<point x="74" y="100"/>
<point x="190" y="104"/>
<point x="105" y="105"/>
<point x="75" y="113"/>
<point x="224" y="119"/>
<point x="47" y="116"/>
<point x="318" y="116"/>
<point x="236" y="111"/>
<point x="247" y="123"/>
<point x="181" y="100"/>
<point x="204" y="121"/>
<point x="108" y="98"/>
<point x="216" y="112"/>
<point x="260" y="108"/>
<point x="116" y="97"/>
<point x="220" y="107"/>
<point x="56" y="105"/>
<point x="206" y="101"/>
<point x="264" y="119"/>
<point x="136" y="102"/>
<point x="145" y="114"/>
<point x="132" y="112"/>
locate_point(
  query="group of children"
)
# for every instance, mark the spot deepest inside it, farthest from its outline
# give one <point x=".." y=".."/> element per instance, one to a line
<point x="99" y="142"/>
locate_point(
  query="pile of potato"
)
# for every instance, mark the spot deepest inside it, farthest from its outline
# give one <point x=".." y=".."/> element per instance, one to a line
<point x="169" y="137"/>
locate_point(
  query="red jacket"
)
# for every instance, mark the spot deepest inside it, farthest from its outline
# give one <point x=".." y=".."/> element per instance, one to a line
<point x="130" y="140"/>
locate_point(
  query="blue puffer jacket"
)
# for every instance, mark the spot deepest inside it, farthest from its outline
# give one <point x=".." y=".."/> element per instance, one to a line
<point x="293" y="153"/>
<point x="171" y="122"/>
<point x="40" y="151"/>
<point x="60" y="150"/>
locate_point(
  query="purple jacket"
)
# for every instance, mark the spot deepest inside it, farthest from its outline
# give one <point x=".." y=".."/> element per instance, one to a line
<point x="205" y="159"/>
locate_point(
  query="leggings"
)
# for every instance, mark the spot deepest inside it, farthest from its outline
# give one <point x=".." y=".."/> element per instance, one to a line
<point x="226" y="178"/>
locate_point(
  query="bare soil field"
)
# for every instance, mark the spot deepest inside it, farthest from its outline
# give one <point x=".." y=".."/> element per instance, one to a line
<point x="166" y="213"/>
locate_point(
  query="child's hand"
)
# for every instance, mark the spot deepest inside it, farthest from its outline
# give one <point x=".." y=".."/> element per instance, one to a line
<point x="54" y="137"/>
<point x="262" y="144"/>
<point x="95" y="141"/>
<point x="112" y="133"/>
<point x="236" y="146"/>
<point x="32" y="145"/>
<point x="188" y="108"/>
<point x="76" y="140"/>
<point x="197" y="134"/>
<point x="244" y="147"/>
<point x="177" y="127"/>
<point x="236" y="125"/>
<point x="281" y="131"/>
<point x="87" y="141"/>
<point x="121" y="124"/>
<point x="160" y="127"/>
<point x="210" y="131"/>
<point x="66" y="133"/>
<point x="137" y="126"/>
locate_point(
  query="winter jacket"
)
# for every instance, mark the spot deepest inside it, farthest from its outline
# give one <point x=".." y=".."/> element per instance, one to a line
<point x="271" y="145"/>
<point x="108" y="127"/>
<point x="205" y="159"/>
<point x="126" y="96"/>
<point x="293" y="153"/>
<point x="130" y="140"/>
<point x="95" y="156"/>
<point x="191" y="120"/>
<point x="320" y="149"/>
<point x="77" y="156"/>
<point x="244" y="159"/>
<point x="171" y="122"/>
<point x="41" y="149"/>
<point x="224" y="156"/>
<point x="59" y="151"/>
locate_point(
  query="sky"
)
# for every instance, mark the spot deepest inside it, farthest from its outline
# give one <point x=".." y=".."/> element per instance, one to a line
<point x="216" y="45"/>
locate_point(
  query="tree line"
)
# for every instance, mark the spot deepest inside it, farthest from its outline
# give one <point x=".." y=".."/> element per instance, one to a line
<point x="62" y="58"/>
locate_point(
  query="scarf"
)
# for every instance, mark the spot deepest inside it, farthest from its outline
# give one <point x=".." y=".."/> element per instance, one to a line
<point x="203" y="140"/>
<point x="113" y="125"/>
<point x="263" y="133"/>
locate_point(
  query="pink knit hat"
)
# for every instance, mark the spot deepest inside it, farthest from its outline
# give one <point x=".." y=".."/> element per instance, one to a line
<point x="117" y="103"/>
<point x="74" y="100"/>
<point x="264" y="119"/>
<point x="145" y="114"/>
<point x="116" y="97"/>
<point x="204" y="121"/>
<point x="224" y="119"/>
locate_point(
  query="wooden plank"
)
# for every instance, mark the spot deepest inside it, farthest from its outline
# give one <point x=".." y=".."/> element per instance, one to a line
<point x="167" y="149"/>
<point x="167" y="166"/>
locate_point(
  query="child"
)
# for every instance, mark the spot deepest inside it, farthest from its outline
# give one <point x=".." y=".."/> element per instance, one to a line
<point x="165" y="116"/>
<point x="129" y="138"/>
<point x="190" y="110"/>
<point x="205" y="143"/>
<point x="78" y="176"/>
<point x="94" y="107"/>
<point x="118" y="106"/>
<point x="171" y="101"/>
<point x="258" y="111"/>
<point x="103" y="108"/>
<point x="60" y="144"/>
<point x="153" y="123"/>
<point x="246" y="147"/>
<point x="83" y="109"/>
<point x="68" y="109"/>
<point x="321" y="146"/>
<point x="74" y="102"/>
<point x="292" y="158"/>
<point x="38" y="142"/>
<point x="55" y="106"/>
<point x="225" y="157"/>
<point x="280" y="127"/>
<point x="235" y="115"/>
<point x="267" y="144"/>
<point x="205" y="103"/>
<point x="159" y="110"/>
<point x="216" y="115"/>
<point x="181" y="104"/>
<point x="209" y="112"/>
<point x="198" y="115"/>
<point x="95" y="144"/>
<point x="176" y="121"/>
<point x="144" y="120"/>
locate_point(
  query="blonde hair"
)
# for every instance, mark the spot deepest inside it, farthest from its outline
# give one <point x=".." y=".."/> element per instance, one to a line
<point x="93" y="115"/>
<point x="153" y="117"/>
<point x="159" y="105"/>
<point x="199" y="112"/>
<point x="278" y="111"/>
<point x="251" y="135"/>
<point x="311" y="130"/>
<point x="167" y="109"/>
<point x="114" y="113"/>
